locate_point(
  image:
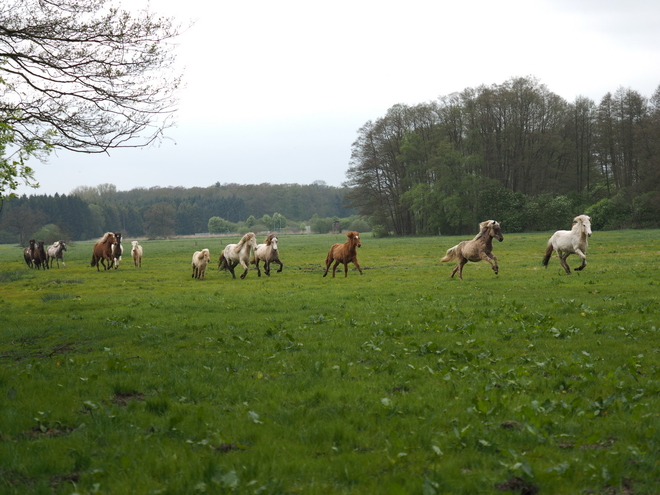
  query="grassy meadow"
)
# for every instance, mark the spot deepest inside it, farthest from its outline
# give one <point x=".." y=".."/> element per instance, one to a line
<point x="401" y="381"/>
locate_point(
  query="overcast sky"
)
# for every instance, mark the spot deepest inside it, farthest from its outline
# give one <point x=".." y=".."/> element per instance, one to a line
<point x="276" y="91"/>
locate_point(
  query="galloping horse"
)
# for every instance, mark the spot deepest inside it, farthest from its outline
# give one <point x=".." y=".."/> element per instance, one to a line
<point x="234" y="254"/>
<point x="479" y="248"/>
<point x="268" y="253"/>
<point x="28" y="253"/>
<point x="117" y="250"/>
<point x="136" y="252"/>
<point x="572" y="241"/>
<point x="55" y="252"/>
<point x="344" y="253"/>
<point x="103" y="251"/>
<point x="39" y="257"/>
<point x="199" y="261"/>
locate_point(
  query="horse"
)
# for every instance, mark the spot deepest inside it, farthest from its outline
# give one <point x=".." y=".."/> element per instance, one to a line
<point x="56" y="252"/>
<point x="199" y="261"/>
<point x="268" y="253"/>
<point x="103" y="251"/>
<point x="39" y="257"/>
<point x="233" y="254"/>
<point x="479" y="248"/>
<point x="567" y="242"/>
<point x="28" y="253"/>
<point x="344" y="253"/>
<point x="136" y="252"/>
<point x="117" y="250"/>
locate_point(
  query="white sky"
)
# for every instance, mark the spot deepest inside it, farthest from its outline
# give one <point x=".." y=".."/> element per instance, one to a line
<point x="276" y="91"/>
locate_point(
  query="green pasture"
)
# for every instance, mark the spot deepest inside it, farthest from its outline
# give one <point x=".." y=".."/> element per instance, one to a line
<point x="401" y="381"/>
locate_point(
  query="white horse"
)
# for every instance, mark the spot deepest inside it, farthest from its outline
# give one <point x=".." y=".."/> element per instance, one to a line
<point x="56" y="252"/>
<point x="136" y="252"/>
<point x="268" y="253"/>
<point x="199" y="261"/>
<point x="234" y="254"/>
<point x="572" y="241"/>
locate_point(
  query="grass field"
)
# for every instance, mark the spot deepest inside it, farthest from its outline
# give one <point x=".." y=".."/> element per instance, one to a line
<point x="401" y="381"/>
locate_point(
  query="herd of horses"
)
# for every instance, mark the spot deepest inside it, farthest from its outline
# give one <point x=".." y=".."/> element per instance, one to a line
<point x="108" y="251"/>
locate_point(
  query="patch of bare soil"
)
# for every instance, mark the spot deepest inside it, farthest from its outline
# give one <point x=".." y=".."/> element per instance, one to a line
<point x="518" y="485"/>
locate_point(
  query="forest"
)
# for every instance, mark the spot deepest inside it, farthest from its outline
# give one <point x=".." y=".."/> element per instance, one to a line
<point x="87" y="212"/>
<point x="513" y="152"/>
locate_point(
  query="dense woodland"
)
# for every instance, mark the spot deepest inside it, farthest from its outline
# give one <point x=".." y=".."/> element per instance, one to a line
<point x="513" y="152"/>
<point x="88" y="212"/>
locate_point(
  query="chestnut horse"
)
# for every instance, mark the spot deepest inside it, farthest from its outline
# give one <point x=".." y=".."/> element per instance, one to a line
<point x="479" y="248"/>
<point x="344" y="253"/>
<point x="103" y="251"/>
<point x="572" y="241"/>
<point x="268" y="253"/>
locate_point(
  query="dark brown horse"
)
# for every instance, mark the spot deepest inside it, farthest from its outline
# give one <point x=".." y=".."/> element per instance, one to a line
<point x="117" y="250"/>
<point x="103" y="251"/>
<point x="344" y="253"/>
<point x="28" y="253"/>
<point x="39" y="257"/>
<point x="479" y="248"/>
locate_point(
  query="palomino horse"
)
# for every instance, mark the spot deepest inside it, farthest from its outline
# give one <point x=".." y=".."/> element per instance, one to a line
<point x="234" y="254"/>
<point x="572" y="241"/>
<point x="39" y="257"/>
<point x="56" y="252"/>
<point x="268" y="253"/>
<point x="103" y="252"/>
<point x="117" y="250"/>
<point x="199" y="261"/>
<point x="136" y="252"/>
<point x="344" y="253"/>
<point x="479" y="248"/>
<point x="28" y="253"/>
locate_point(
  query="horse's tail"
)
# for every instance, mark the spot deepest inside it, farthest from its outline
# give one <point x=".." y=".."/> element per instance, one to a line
<point x="450" y="254"/>
<point x="222" y="262"/>
<point x="548" y="253"/>
<point x="94" y="260"/>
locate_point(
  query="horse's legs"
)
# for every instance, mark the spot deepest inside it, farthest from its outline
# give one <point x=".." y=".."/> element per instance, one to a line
<point x="584" y="260"/>
<point x="281" y="265"/>
<point x="334" y="268"/>
<point x="245" y="269"/>
<point x="562" y="261"/>
<point x="357" y="265"/>
<point x="256" y="262"/>
<point x="231" y="267"/>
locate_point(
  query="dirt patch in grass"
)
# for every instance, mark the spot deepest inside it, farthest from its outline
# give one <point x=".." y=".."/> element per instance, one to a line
<point x="518" y="485"/>
<point x="53" y="431"/>
<point x="123" y="398"/>
<point x="62" y="479"/>
<point x="24" y="351"/>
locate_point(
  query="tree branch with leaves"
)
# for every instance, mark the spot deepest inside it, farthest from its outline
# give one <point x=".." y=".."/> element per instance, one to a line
<point x="81" y="75"/>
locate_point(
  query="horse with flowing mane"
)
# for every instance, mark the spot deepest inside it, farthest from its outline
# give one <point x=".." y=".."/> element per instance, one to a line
<point x="103" y="251"/>
<point x="344" y="253"/>
<point x="28" y="253"/>
<point x="56" y="252"/>
<point x="199" y="261"/>
<point x="567" y="242"/>
<point x="479" y="248"/>
<point x="136" y="252"/>
<point x="268" y="253"/>
<point x="233" y="254"/>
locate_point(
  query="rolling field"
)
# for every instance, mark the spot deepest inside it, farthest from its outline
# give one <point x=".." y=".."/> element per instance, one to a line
<point x="401" y="381"/>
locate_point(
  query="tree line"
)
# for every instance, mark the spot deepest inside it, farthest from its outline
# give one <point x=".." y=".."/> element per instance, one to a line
<point x="514" y="152"/>
<point x="88" y="212"/>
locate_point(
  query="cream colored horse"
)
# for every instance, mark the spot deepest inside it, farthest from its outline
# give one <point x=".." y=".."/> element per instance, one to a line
<point x="567" y="242"/>
<point x="234" y="254"/>
<point x="200" y="260"/>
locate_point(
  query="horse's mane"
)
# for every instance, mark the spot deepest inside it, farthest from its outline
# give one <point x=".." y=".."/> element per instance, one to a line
<point x="270" y="238"/>
<point x="105" y="236"/>
<point x="483" y="228"/>
<point x="245" y="238"/>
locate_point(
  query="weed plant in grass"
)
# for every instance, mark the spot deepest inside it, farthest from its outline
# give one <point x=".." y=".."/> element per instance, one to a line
<point x="144" y="380"/>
